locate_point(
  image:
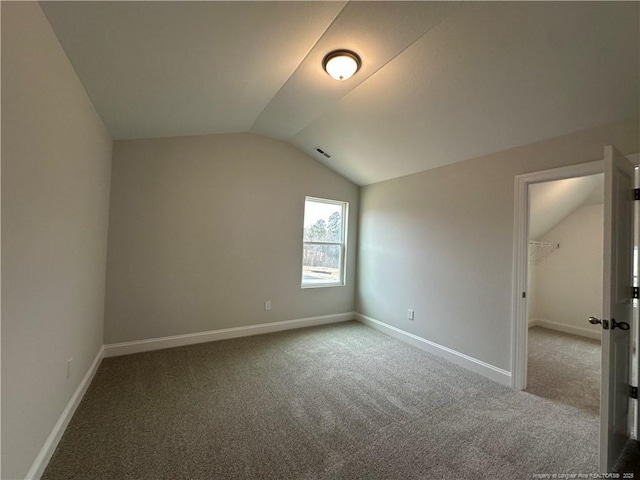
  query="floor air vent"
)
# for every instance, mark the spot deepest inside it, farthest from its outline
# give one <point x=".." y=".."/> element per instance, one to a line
<point x="322" y="152"/>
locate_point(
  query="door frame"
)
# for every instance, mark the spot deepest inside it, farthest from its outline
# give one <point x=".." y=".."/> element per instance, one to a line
<point x="519" y="328"/>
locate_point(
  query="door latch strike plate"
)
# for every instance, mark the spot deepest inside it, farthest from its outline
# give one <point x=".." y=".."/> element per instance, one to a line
<point x="634" y="392"/>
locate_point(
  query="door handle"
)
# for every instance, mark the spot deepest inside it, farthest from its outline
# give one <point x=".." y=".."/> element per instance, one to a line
<point x="620" y="325"/>
<point x="594" y="320"/>
<point x="605" y="323"/>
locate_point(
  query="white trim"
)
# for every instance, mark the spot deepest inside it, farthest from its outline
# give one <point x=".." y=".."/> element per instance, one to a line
<point x="323" y="285"/>
<point x="478" y="366"/>
<point x="342" y="244"/>
<point x="50" y="444"/>
<point x="520" y="259"/>
<point x="323" y="243"/>
<point x="139" y="346"/>
<point x="561" y="327"/>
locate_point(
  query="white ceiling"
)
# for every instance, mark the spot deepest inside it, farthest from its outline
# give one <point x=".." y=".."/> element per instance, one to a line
<point x="552" y="202"/>
<point x="441" y="82"/>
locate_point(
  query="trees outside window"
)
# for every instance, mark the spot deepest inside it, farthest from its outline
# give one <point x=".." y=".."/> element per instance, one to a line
<point x="324" y="242"/>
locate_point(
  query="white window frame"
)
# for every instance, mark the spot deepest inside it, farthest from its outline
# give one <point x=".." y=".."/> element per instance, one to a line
<point x="342" y="244"/>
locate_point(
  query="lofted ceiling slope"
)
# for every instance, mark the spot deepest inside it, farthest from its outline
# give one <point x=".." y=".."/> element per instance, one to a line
<point x="552" y="202"/>
<point x="441" y="82"/>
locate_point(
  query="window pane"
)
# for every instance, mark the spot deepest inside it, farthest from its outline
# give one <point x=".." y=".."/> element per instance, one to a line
<point x="321" y="264"/>
<point x="322" y="222"/>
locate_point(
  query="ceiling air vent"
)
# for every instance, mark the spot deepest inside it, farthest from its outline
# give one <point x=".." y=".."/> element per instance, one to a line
<point x="322" y="152"/>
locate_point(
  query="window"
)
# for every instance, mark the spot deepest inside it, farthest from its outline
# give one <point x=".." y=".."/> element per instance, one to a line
<point x="324" y="240"/>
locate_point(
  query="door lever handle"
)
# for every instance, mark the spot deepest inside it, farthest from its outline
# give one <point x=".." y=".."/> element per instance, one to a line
<point x="620" y="325"/>
<point x="594" y="320"/>
<point x="605" y="323"/>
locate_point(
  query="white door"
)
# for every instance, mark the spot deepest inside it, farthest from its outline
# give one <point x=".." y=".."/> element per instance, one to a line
<point x="617" y="305"/>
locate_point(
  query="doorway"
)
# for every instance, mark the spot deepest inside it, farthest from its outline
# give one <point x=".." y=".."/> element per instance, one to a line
<point x="564" y="289"/>
<point x="543" y="224"/>
<point x="617" y="292"/>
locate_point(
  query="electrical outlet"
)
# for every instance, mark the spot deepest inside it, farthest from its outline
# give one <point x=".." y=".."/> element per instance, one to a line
<point x="69" y="362"/>
<point x="267" y="305"/>
<point x="410" y="314"/>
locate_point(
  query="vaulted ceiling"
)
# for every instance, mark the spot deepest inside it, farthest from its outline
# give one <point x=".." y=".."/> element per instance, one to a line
<point x="552" y="202"/>
<point x="440" y="82"/>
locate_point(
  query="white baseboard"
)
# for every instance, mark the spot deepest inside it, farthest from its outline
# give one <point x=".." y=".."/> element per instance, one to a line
<point x="494" y="373"/>
<point x="50" y="444"/>
<point x="580" y="331"/>
<point x="139" y="346"/>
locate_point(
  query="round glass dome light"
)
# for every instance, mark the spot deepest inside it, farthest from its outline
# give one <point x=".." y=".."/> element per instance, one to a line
<point x="341" y="64"/>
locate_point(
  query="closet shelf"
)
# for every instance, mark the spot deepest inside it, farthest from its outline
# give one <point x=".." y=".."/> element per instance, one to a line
<point x="538" y="251"/>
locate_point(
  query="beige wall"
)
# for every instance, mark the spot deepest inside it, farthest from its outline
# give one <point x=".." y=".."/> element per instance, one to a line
<point x="203" y="230"/>
<point x="56" y="157"/>
<point x="441" y="242"/>
<point x="568" y="283"/>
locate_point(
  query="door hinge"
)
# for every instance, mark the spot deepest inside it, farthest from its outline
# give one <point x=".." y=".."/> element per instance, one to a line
<point x="635" y="292"/>
<point x="634" y="392"/>
<point x="636" y="193"/>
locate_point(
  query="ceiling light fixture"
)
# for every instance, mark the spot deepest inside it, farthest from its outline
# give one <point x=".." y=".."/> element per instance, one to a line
<point x="341" y="64"/>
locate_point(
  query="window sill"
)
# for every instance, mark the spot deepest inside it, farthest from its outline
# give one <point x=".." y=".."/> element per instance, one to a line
<point x="322" y="285"/>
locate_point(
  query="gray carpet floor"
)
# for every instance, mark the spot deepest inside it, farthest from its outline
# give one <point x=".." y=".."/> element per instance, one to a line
<point x="565" y="368"/>
<point x="629" y="461"/>
<point x="340" y="401"/>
